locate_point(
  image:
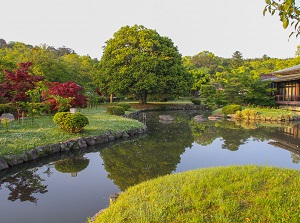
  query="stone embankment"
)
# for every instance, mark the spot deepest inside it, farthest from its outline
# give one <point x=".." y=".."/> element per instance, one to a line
<point x="72" y="144"/>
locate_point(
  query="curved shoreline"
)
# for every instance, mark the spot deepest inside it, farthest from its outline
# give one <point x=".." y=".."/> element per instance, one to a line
<point x="8" y="161"/>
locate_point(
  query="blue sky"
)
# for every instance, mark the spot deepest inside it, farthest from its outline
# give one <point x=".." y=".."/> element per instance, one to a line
<point x="219" y="26"/>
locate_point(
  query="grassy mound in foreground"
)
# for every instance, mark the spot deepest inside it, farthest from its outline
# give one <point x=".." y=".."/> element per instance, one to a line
<point x="221" y="194"/>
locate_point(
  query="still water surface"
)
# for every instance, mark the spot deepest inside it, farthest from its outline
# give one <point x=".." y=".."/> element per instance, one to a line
<point x="69" y="187"/>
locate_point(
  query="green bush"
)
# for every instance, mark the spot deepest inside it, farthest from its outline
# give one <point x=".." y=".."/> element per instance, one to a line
<point x="103" y="99"/>
<point x="231" y="109"/>
<point x="115" y="110"/>
<point x="196" y="101"/>
<point x="7" y="108"/>
<point x="70" y="122"/>
<point x="126" y="106"/>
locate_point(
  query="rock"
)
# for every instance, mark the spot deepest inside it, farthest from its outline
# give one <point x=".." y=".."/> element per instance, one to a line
<point x="82" y="143"/>
<point x="166" y="118"/>
<point x="125" y="135"/>
<point x="3" y="164"/>
<point x="32" y="154"/>
<point x="24" y="156"/>
<point x="41" y="151"/>
<point x="118" y="134"/>
<point x="199" y="118"/>
<point x="110" y="136"/>
<point x="9" y="116"/>
<point x="90" y="140"/>
<point x="130" y="132"/>
<point x="113" y="197"/>
<point x="102" y="138"/>
<point x="55" y="148"/>
<point x="13" y="159"/>
<point x="64" y="146"/>
<point x="214" y="117"/>
<point x="72" y="144"/>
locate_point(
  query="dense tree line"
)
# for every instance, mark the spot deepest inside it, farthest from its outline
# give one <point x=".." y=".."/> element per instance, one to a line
<point x="54" y="65"/>
<point x="234" y="80"/>
<point x="138" y="62"/>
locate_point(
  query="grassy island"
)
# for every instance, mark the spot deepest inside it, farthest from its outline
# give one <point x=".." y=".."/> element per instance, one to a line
<point x="18" y="137"/>
<point x="219" y="194"/>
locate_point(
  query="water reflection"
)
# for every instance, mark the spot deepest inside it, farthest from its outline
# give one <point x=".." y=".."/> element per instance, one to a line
<point x="156" y="155"/>
<point x="72" y="165"/>
<point x="179" y="146"/>
<point x="24" y="185"/>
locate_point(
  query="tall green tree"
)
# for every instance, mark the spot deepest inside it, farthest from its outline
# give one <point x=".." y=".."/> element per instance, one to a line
<point x="139" y="61"/>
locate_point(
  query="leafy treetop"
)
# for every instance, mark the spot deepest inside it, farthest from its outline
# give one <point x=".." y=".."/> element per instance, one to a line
<point x="139" y="61"/>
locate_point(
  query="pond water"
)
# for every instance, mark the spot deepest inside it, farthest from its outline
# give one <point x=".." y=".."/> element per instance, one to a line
<point x="69" y="187"/>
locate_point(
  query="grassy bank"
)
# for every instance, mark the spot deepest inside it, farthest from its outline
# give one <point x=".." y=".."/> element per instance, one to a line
<point x="262" y="113"/>
<point x="221" y="194"/>
<point x="19" y="137"/>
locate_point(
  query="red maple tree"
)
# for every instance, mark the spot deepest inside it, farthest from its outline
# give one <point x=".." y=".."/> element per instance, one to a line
<point x="65" y="90"/>
<point x="17" y="83"/>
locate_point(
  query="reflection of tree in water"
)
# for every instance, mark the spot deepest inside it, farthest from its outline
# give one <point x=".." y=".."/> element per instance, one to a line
<point x="72" y="165"/>
<point x="24" y="185"/>
<point x="154" y="155"/>
<point x="295" y="158"/>
<point x="233" y="135"/>
<point x="204" y="133"/>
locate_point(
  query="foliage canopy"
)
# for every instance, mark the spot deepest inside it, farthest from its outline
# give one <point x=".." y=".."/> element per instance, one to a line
<point x="139" y="61"/>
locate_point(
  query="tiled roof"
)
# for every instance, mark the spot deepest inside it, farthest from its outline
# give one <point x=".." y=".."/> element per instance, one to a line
<point x="289" y="70"/>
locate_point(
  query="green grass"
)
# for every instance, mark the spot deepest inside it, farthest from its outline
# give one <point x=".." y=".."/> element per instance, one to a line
<point x="23" y="137"/>
<point x="272" y="112"/>
<point x="220" y="194"/>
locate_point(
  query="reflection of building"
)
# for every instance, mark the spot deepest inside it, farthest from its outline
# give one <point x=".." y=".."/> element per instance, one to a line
<point x="288" y="139"/>
<point x="287" y="84"/>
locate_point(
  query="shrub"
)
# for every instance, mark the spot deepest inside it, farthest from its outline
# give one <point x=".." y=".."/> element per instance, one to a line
<point x="7" y="108"/>
<point x="246" y="113"/>
<point x="238" y="115"/>
<point x="196" y="101"/>
<point x="115" y="110"/>
<point x="103" y="99"/>
<point x="70" y="122"/>
<point x="126" y="106"/>
<point x="231" y="109"/>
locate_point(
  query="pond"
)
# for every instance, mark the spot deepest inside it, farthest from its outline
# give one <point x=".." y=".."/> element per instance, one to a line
<point x="71" y="186"/>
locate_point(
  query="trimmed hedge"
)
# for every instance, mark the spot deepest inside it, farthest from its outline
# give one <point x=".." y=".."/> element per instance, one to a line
<point x="115" y="110"/>
<point x="126" y="106"/>
<point x="231" y="109"/>
<point x="196" y="101"/>
<point x="70" y="122"/>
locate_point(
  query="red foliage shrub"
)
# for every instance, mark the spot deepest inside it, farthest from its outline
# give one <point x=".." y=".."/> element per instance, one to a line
<point x="17" y="83"/>
<point x="65" y="90"/>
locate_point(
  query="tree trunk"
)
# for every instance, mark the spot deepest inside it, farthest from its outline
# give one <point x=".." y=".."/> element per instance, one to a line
<point x="143" y="97"/>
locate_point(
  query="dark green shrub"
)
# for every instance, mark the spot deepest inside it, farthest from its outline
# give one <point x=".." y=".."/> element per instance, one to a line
<point x="103" y="99"/>
<point x="70" y="122"/>
<point x="115" y="110"/>
<point x="126" y="106"/>
<point x="231" y="109"/>
<point x="7" y="108"/>
<point x="196" y="101"/>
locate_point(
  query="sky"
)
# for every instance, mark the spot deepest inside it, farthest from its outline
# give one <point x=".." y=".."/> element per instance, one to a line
<point x="219" y="26"/>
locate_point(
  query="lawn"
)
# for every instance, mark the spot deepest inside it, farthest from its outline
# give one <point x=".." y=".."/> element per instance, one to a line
<point x="23" y="136"/>
<point x="219" y="194"/>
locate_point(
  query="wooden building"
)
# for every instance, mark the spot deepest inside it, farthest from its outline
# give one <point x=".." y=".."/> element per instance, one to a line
<point x="287" y="83"/>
